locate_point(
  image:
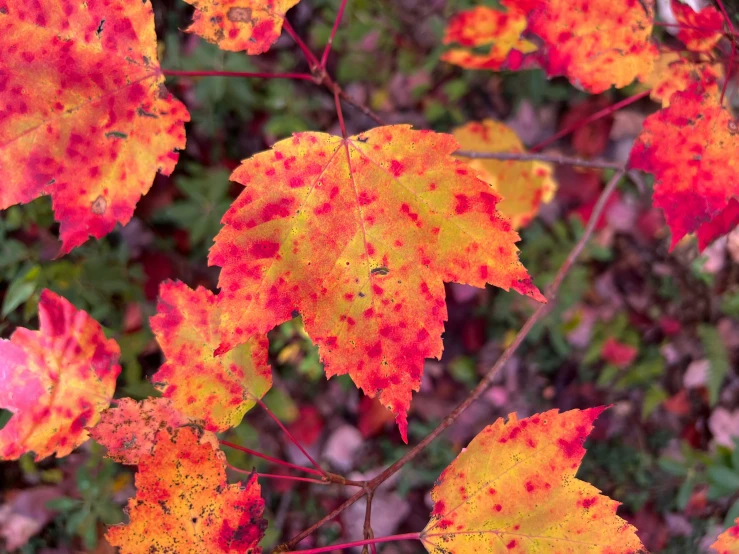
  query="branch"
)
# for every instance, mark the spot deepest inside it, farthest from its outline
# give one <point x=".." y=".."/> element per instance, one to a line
<point x="331" y="548"/>
<point x="368" y="533"/>
<point x="276" y="476"/>
<point x="271" y="459"/>
<point x="206" y="73"/>
<point x="540" y="312"/>
<point x="335" y="28"/>
<point x="309" y="56"/>
<point x="597" y="115"/>
<point x="532" y="156"/>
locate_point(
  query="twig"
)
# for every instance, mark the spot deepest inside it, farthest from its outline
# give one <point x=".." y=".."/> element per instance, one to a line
<point x="331" y="548"/>
<point x="488" y="378"/>
<point x="368" y="533"/>
<point x="271" y="459"/>
<point x="339" y="112"/>
<point x="597" y="115"/>
<point x="533" y="156"/>
<point x="206" y="73"/>
<point x="293" y="439"/>
<point x="335" y="28"/>
<point x="309" y="56"/>
<point x="276" y="476"/>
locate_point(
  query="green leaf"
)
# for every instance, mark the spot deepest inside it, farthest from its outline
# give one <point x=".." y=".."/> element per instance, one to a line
<point x="732" y="514"/>
<point x="64" y="504"/>
<point x="718" y="358"/>
<point x="652" y="399"/>
<point x="723" y="478"/>
<point x="21" y="289"/>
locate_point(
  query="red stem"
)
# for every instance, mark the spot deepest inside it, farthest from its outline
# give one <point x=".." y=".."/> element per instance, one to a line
<point x="730" y="65"/>
<point x="275" y="476"/>
<point x="339" y="112"/>
<point x="270" y="458"/>
<point x="331" y="548"/>
<point x="177" y="73"/>
<point x="335" y="28"/>
<point x="309" y="56"/>
<point x="597" y="115"/>
<point x="293" y="439"/>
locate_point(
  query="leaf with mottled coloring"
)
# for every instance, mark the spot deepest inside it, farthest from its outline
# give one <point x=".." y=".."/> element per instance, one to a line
<point x="482" y="27"/>
<point x="359" y="235"/>
<point x="524" y="186"/>
<point x="184" y="504"/>
<point x="596" y="44"/>
<point x="56" y="380"/>
<point x="513" y="490"/>
<point x="85" y="116"/>
<point x="235" y="25"/>
<point x="701" y="30"/>
<point x="675" y="73"/>
<point x="213" y="390"/>
<point x="690" y="148"/>
<point x="728" y="541"/>
<point x="129" y="429"/>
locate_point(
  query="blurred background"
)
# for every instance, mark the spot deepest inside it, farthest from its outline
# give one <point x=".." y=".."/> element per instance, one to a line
<point x="652" y="333"/>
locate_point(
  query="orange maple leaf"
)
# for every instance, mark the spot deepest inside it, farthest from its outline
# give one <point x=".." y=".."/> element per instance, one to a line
<point x="700" y="30"/>
<point x="482" y="26"/>
<point x="184" y="504"/>
<point x="236" y="25"/>
<point x="674" y="73"/>
<point x="359" y="235"/>
<point x="513" y="489"/>
<point x="689" y="148"/>
<point x="56" y="380"/>
<point x="86" y="118"/>
<point x="728" y="541"/>
<point x="129" y="430"/>
<point x="214" y="390"/>
<point x="524" y="186"/>
<point x="596" y="44"/>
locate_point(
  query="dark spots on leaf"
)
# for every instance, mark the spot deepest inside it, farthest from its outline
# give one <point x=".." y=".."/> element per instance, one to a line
<point x="116" y="134"/>
<point x="99" y="206"/>
<point x="362" y="139"/>
<point x="380" y="271"/>
<point x="361" y="295"/>
<point x="100" y="28"/>
<point x="141" y="112"/>
<point x="239" y="15"/>
<point x="294" y="314"/>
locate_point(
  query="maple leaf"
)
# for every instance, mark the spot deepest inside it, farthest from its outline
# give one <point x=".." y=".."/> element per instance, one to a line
<point x="129" y="430"/>
<point x="56" y="380"/>
<point x="596" y="44"/>
<point x="700" y="30"/>
<point x="728" y="541"/>
<point x="482" y="26"/>
<point x="184" y="504"/>
<point x="359" y="235"/>
<point x="689" y="148"/>
<point x="524" y="186"/>
<point x="513" y="490"/>
<point x="236" y="25"/>
<point x="85" y="117"/>
<point x="214" y="390"/>
<point x="674" y="73"/>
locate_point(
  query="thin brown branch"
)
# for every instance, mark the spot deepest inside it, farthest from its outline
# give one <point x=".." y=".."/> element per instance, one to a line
<point x="368" y="533"/>
<point x="533" y="156"/>
<point x="483" y="385"/>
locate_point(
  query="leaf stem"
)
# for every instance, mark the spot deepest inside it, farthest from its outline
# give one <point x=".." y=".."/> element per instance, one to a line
<point x="597" y="115"/>
<point x="339" y="112"/>
<point x="483" y="385"/>
<point x="293" y="439"/>
<point x="276" y="476"/>
<point x="208" y="73"/>
<point x="331" y="548"/>
<point x="271" y="459"/>
<point x="532" y="156"/>
<point x="309" y="56"/>
<point x="324" y="57"/>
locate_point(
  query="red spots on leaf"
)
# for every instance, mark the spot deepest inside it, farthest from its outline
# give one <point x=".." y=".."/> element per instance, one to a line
<point x="497" y="507"/>
<point x="396" y="168"/>
<point x="264" y="249"/>
<point x="375" y="351"/>
<point x="529" y="486"/>
<point x="511" y="545"/>
<point x="295" y="182"/>
<point x="463" y="203"/>
<point x="323" y="209"/>
<point x="589" y="502"/>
